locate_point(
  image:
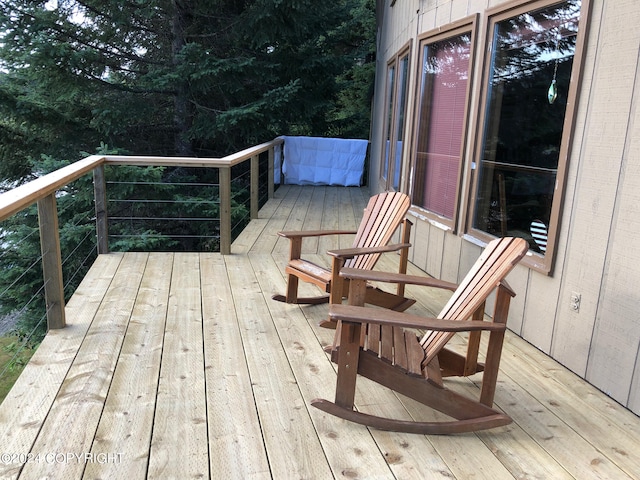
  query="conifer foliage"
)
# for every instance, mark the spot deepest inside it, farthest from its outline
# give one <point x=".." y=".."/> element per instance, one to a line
<point x="162" y="77"/>
<point x="175" y="77"/>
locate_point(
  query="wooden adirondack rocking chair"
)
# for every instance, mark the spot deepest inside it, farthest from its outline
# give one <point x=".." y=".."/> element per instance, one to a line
<point x="382" y="216"/>
<point x="378" y="344"/>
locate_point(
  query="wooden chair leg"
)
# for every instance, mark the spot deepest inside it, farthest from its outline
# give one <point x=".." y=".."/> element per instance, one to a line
<point x="348" y="354"/>
<point x="291" y="294"/>
<point x="295" y="250"/>
<point x="473" y="345"/>
<point x="404" y="254"/>
<point x="494" y="348"/>
<point x="292" y="289"/>
<point x="337" y="289"/>
<point x="469" y="415"/>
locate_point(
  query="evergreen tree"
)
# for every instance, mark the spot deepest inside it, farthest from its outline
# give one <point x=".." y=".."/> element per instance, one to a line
<point x="162" y="77"/>
<point x="173" y="77"/>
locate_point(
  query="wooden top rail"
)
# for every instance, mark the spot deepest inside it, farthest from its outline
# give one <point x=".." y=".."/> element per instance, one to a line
<point x="165" y="161"/>
<point x="21" y="197"/>
<point x="43" y="191"/>
<point x="228" y="161"/>
<point x="247" y="153"/>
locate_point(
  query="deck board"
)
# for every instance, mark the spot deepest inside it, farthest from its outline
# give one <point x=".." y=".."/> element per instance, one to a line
<point x="292" y="446"/>
<point x="180" y="365"/>
<point x="79" y="402"/>
<point x="181" y="400"/>
<point x="235" y="438"/>
<point x="312" y="374"/>
<point x="25" y="409"/>
<point x="127" y="420"/>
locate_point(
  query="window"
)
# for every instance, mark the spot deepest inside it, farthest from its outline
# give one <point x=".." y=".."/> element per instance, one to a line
<point x="396" y="101"/>
<point x="391" y="81"/>
<point x="526" y="124"/>
<point x="446" y="61"/>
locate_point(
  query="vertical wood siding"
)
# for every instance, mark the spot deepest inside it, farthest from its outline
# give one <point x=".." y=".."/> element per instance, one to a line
<point x="597" y="254"/>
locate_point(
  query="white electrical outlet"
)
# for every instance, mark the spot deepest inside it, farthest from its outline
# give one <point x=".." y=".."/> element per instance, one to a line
<point x="574" y="301"/>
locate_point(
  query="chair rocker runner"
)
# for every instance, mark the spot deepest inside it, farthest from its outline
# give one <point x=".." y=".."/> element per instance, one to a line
<point x="382" y="346"/>
<point x="382" y="216"/>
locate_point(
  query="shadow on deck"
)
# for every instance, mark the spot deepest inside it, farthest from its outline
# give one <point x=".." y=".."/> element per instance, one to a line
<point x="179" y="365"/>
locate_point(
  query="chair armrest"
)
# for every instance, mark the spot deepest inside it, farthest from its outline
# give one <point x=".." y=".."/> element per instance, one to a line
<point x="353" y="314"/>
<point x="346" y="253"/>
<point x="388" y="277"/>
<point x="315" y="233"/>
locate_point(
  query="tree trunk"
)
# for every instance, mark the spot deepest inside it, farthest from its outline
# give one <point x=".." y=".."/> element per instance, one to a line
<point x="182" y="112"/>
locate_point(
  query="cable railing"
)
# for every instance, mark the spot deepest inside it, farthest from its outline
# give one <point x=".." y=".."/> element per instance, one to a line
<point x="23" y="305"/>
<point x="166" y="215"/>
<point x="240" y="183"/>
<point x="182" y="211"/>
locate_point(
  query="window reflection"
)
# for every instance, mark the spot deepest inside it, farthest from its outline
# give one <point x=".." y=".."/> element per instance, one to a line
<point x="523" y="128"/>
<point x="391" y="76"/>
<point x="403" y="83"/>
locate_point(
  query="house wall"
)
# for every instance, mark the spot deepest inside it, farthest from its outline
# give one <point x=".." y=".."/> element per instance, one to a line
<point x="596" y="255"/>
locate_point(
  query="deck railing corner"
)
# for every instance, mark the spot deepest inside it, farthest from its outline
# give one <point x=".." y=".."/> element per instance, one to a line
<point x="43" y="192"/>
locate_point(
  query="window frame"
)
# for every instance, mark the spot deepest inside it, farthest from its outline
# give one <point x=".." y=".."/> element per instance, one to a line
<point x="392" y="106"/>
<point x="542" y="263"/>
<point x="467" y="25"/>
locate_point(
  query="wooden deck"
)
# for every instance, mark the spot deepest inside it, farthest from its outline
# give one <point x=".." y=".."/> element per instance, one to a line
<point x="181" y="366"/>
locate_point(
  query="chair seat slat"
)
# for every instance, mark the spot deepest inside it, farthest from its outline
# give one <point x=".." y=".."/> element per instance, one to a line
<point x="400" y="356"/>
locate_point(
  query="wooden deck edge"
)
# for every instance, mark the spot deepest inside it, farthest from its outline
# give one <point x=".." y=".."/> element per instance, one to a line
<point x="25" y="408"/>
<point x="79" y="403"/>
<point x="247" y="239"/>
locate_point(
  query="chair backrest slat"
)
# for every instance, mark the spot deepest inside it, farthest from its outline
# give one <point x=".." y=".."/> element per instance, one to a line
<point x="496" y="261"/>
<point x="381" y="218"/>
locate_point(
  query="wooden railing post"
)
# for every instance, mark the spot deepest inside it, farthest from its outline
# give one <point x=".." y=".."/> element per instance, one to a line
<point x="102" y="223"/>
<point x="270" y="172"/>
<point x="255" y="187"/>
<point x="225" y="210"/>
<point x="51" y="261"/>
